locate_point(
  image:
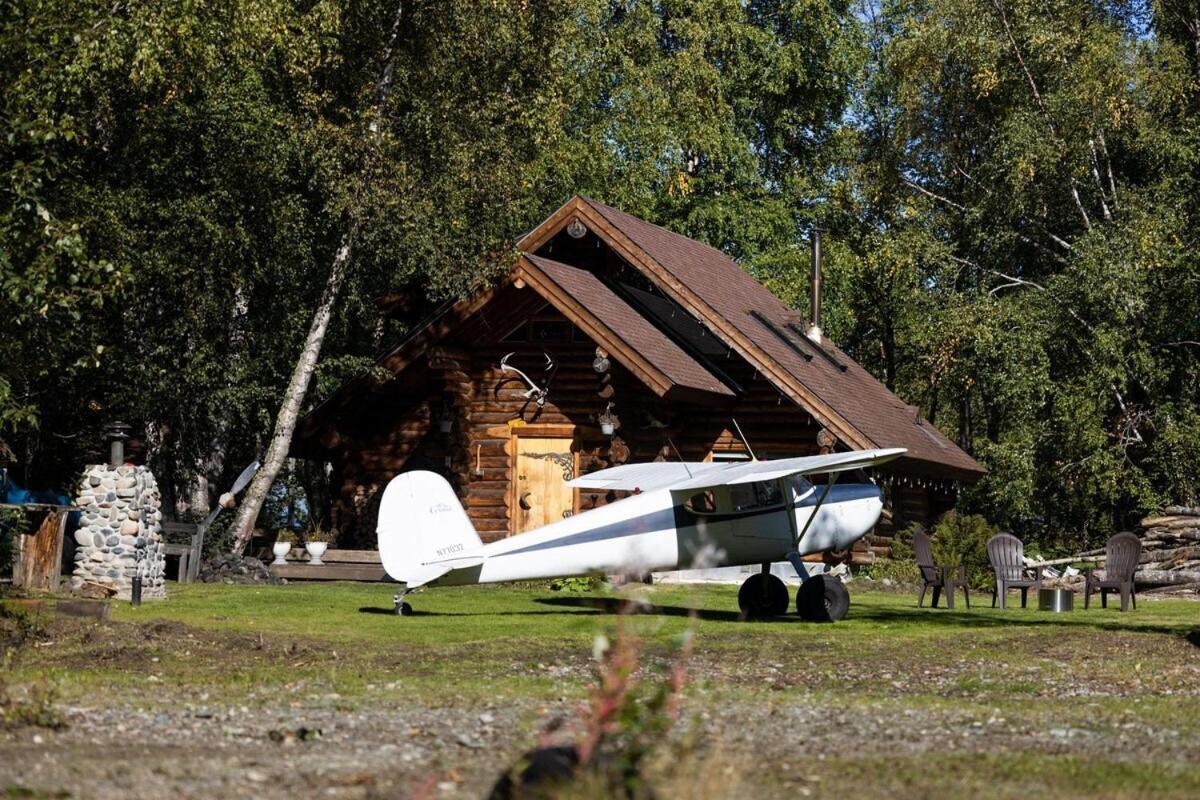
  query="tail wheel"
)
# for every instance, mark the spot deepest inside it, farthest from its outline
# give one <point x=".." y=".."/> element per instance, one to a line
<point x="759" y="600"/>
<point x="822" y="598"/>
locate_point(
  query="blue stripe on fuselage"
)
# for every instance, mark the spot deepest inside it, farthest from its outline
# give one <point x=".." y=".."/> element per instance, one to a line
<point x="646" y="523"/>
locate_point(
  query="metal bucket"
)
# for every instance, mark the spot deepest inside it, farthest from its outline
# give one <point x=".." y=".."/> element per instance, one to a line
<point x="1056" y="600"/>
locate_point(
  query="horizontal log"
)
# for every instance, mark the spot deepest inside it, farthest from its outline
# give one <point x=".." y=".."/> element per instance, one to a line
<point x="1160" y="577"/>
<point x="487" y="512"/>
<point x="1188" y="511"/>
<point x="331" y="572"/>
<point x="1173" y="588"/>
<point x="1171" y="522"/>
<point x="1185" y="553"/>
<point x="486" y="502"/>
<point x="1159" y="534"/>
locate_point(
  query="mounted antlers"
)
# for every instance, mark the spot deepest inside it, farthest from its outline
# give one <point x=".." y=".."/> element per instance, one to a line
<point x="535" y="392"/>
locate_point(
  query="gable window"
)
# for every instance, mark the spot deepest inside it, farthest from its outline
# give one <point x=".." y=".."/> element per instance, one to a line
<point x="544" y="331"/>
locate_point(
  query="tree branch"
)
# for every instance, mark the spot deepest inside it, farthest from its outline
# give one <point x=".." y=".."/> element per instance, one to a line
<point x="935" y="196"/>
<point x="1037" y="96"/>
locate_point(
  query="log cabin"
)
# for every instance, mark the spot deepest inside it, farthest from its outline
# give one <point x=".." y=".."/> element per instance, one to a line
<point x="613" y="340"/>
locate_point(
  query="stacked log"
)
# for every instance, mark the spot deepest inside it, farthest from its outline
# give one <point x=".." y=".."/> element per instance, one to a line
<point x="1170" y="560"/>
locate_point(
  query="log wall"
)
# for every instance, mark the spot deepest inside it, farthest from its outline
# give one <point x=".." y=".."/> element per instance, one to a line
<point x="397" y="426"/>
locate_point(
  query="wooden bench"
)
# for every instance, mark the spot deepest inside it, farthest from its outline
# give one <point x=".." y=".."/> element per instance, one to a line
<point x="189" y="554"/>
<point x="340" y="565"/>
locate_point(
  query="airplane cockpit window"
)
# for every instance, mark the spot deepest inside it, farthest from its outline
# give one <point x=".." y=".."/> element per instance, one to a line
<point x="702" y="502"/>
<point x="745" y="496"/>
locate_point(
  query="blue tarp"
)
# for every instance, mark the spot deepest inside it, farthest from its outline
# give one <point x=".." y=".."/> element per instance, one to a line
<point x="11" y="493"/>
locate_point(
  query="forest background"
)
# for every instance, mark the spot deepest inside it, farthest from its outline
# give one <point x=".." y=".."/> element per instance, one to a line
<point x="1009" y="191"/>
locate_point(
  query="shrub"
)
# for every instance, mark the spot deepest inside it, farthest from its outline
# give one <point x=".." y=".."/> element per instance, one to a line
<point x="33" y="707"/>
<point x="901" y="567"/>
<point x="12" y="521"/>
<point x="898" y="570"/>
<point x="583" y="583"/>
<point x="962" y="539"/>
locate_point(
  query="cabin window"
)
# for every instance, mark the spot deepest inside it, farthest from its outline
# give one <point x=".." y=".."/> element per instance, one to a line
<point x="746" y="496"/>
<point x="702" y="503"/>
<point x="544" y="331"/>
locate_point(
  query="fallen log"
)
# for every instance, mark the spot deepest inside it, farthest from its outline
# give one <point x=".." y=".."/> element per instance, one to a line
<point x="1188" y="511"/>
<point x="1177" y="588"/>
<point x="1160" y="577"/>
<point x="1171" y="522"/>
<point x="1054" y="562"/>
<point x="1157" y="535"/>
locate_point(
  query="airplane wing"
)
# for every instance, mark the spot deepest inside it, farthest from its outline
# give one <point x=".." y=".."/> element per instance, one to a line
<point x="679" y="475"/>
<point x="641" y="476"/>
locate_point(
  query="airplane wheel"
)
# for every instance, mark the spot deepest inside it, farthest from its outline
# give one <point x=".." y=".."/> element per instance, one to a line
<point x="822" y="598"/>
<point x="404" y="610"/>
<point x="756" y="604"/>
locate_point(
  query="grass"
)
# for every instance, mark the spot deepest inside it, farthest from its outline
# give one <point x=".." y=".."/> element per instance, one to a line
<point x="1123" y="690"/>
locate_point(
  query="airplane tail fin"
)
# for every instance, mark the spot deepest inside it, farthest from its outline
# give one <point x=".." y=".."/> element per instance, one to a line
<point x="423" y="530"/>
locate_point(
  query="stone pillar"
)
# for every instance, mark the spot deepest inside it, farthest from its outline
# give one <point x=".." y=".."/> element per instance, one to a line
<point x="120" y="518"/>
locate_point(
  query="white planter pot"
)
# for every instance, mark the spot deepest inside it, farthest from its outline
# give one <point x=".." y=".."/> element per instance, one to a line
<point x="315" y="551"/>
<point x="281" y="549"/>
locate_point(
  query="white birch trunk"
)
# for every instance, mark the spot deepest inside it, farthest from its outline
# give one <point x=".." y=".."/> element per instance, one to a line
<point x="289" y="412"/>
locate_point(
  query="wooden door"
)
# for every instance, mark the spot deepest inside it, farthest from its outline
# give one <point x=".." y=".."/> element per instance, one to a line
<point x="540" y="491"/>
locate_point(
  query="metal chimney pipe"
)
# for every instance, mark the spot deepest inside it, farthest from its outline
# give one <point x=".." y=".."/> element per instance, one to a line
<point x="814" y="328"/>
<point x="116" y="433"/>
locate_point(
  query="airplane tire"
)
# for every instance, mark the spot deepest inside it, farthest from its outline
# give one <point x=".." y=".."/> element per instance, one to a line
<point x="822" y="598"/>
<point x="403" y="610"/>
<point x="752" y="602"/>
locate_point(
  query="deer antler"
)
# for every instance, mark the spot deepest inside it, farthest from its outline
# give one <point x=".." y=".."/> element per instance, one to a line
<point x="534" y="392"/>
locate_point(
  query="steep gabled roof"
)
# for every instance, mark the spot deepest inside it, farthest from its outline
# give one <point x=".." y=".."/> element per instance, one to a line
<point x="627" y="335"/>
<point x="838" y="392"/>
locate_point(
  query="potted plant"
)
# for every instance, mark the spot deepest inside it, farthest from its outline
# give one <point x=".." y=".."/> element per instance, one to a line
<point x="284" y="541"/>
<point x="316" y="542"/>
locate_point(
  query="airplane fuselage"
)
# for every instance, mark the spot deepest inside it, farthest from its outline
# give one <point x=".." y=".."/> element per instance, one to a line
<point x="666" y="530"/>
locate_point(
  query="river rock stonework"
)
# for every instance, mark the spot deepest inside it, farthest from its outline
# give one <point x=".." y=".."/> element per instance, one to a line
<point x="120" y="519"/>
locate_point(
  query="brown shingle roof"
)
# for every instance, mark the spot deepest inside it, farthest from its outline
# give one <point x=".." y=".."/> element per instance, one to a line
<point x="605" y="309"/>
<point x="853" y="394"/>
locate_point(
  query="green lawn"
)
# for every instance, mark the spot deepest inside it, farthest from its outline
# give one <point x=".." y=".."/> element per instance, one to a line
<point x="984" y="701"/>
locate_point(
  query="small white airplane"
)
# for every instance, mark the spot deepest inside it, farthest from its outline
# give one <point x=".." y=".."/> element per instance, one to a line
<point x="679" y="516"/>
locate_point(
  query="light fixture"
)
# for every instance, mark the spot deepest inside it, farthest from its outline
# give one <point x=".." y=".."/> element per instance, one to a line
<point x="576" y="230"/>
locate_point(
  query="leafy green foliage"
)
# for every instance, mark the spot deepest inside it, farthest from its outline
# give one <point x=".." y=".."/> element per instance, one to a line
<point x="1009" y="188"/>
<point x="12" y="523"/>
<point x="582" y="583"/>
<point x="901" y="567"/>
<point x="961" y="540"/>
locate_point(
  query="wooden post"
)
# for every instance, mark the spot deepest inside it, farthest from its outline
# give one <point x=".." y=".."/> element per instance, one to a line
<point x="37" y="564"/>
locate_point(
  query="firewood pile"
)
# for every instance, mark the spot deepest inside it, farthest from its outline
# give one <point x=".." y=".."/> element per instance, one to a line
<point x="1170" y="561"/>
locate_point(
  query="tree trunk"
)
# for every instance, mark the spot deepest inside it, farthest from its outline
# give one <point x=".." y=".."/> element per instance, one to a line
<point x="289" y="412"/>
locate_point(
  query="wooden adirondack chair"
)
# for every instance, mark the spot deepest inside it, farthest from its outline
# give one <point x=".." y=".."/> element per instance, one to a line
<point x="940" y="577"/>
<point x="1007" y="554"/>
<point x="1120" y="563"/>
